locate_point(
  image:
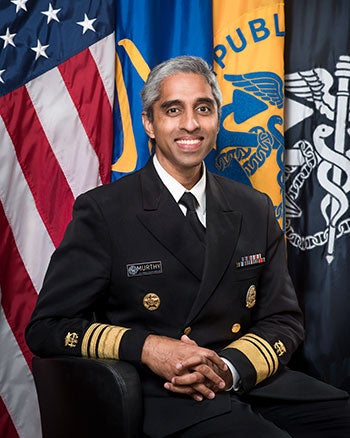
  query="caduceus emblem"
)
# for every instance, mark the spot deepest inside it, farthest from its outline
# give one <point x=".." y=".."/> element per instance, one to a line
<point x="333" y="163"/>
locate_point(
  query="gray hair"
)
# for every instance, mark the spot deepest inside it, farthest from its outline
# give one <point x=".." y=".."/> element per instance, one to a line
<point x="150" y="92"/>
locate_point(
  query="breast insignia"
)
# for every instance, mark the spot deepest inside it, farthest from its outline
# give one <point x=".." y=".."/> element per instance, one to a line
<point x="251" y="297"/>
<point x="71" y="340"/>
<point x="151" y="301"/>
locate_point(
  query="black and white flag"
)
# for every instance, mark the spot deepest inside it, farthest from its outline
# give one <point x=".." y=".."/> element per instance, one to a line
<point x="317" y="136"/>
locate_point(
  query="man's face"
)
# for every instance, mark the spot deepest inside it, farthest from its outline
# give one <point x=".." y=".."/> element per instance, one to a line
<point x="185" y="123"/>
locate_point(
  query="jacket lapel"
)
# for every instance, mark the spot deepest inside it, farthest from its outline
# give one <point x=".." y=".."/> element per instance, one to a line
<point x="163" y="218"/>
<point x="223" y="228"/>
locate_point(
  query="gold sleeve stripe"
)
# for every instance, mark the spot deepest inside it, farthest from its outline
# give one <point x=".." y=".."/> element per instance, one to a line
<point x="110" y="342"/>
<point x="268" y="350"/>
<point x="259" y="353"/>
<point x="102" y="341"/>
<point x="86" y="339"/>
<point x="94" y="340"/>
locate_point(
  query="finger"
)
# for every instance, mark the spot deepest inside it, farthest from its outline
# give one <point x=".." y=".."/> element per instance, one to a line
<point x="226" y="376"/>
<point x="213" y="379"/>
<point x="187" y="340"/>
<point x="217" y="360"/>
<point x="197" y="397"/>
<point x="200" y="375"/>
<point x="198" y="380"/>
<point x="204" y="390"/>
<point x="186" y="390"/>
<point x="204" y="356"/>
<point x="192" y="361"/>
<point x="197" y="392"/>
<point x="188" y="379"/>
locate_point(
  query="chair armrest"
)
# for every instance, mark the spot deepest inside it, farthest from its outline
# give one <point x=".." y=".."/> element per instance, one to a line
<point x="80" y="397"/>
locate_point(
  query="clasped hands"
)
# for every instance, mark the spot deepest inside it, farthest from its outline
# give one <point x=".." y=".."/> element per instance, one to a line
<point x="186" y="367"/>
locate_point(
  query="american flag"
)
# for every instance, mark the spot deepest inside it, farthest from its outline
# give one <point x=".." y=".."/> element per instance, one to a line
<point x="56" y="98"/>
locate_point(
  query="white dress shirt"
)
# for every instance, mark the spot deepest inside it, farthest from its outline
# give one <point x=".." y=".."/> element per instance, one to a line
<point x="177" y="190"/>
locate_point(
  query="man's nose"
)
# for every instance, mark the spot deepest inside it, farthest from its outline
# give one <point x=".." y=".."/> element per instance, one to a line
<point x="189" y="121"/>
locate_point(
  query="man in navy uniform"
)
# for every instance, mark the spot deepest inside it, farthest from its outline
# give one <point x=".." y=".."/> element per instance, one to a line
<point x="183" y="273"/>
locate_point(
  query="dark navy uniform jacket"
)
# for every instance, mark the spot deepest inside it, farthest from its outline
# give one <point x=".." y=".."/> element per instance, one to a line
<point x="130" y="265"/>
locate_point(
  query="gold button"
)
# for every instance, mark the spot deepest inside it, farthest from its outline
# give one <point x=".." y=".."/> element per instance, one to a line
<point x="187" y="331"/>
<point x="236" y="328"/>
<point x="151" y="301"/>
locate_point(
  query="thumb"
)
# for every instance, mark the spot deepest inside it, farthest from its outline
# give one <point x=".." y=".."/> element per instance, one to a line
<point x="187" y="340"/>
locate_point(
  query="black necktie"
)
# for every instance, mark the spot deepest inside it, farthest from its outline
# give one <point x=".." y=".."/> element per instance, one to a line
<point x="190" y="202"/>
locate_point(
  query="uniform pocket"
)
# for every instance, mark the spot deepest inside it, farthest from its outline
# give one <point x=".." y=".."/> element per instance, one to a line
<point x="248" y="272"/>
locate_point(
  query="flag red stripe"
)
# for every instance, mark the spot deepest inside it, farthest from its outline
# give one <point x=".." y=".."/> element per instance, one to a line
<point x="91" y="100"/>
<point x="18" y="294"/>
<point x="39" y="165"/>
<point x="7" y="428"/>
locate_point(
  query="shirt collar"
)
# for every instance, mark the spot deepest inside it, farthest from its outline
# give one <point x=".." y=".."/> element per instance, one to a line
<point x="177" y="189"/>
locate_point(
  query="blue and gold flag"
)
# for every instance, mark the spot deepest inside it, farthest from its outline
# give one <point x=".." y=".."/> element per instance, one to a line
<point x="248" y="61"/>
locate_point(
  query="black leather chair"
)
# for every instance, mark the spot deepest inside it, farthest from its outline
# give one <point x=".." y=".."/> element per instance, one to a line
<point x="81" y="397"/>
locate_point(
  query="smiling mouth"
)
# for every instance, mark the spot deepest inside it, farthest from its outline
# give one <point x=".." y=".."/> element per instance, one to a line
<point x="189" y="144"/>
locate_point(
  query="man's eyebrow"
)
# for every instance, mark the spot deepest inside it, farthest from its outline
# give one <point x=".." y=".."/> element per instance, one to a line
<point x="207" y="100"/>
<point x="169" y="103"/>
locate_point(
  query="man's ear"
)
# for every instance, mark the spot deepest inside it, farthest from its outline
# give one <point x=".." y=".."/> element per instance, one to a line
<point x="148" y="125"/>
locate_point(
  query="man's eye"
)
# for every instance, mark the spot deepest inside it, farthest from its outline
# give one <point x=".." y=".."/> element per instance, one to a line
<point x="204" y="109"/>
<point x="172" y="111"/>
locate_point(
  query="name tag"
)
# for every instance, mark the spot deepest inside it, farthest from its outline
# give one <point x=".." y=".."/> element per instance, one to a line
<point x="145" y="268"/>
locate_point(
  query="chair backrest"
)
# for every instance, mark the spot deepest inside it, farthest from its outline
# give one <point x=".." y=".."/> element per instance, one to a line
<point x="81" y="397"/>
